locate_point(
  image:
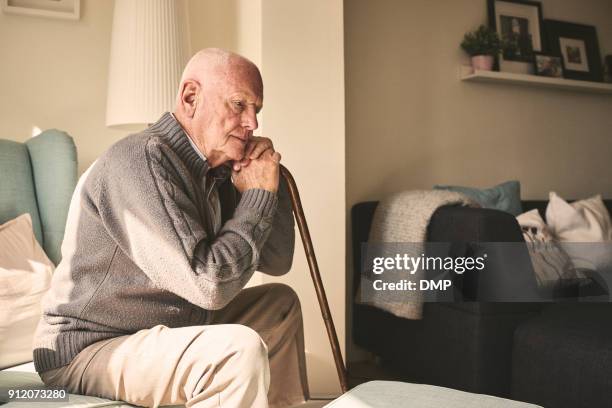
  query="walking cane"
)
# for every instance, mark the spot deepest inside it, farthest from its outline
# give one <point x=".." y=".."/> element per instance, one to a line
<point x="316" y="276"/>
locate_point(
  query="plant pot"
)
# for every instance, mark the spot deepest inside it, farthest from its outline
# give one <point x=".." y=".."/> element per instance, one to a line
<point x="482" y="62"/>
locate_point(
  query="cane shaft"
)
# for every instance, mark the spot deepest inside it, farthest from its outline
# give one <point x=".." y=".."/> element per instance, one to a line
<point x="316" y="276"/>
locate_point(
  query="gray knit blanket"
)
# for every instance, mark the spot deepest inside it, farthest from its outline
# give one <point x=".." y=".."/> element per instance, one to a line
<point x="403" y="218"/>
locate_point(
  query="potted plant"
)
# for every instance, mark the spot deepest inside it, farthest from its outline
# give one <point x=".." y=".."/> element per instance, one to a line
<point x="482" y="45"/>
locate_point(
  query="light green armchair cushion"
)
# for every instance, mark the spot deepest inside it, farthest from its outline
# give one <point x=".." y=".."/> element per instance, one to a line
<point x="17" y="194"/>
<point x="39" y="177"/>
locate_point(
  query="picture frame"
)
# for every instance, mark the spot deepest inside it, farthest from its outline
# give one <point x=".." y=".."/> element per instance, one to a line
<point x="519" y="22"/>
<point x="578" y="46"/>
<point x="548" y="65"/>
<point x="62" y="9"/>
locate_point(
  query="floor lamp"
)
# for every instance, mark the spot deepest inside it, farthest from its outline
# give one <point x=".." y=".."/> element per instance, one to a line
<point x="149" y="49"/>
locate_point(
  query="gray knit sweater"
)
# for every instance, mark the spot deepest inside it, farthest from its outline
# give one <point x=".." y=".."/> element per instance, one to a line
<point x="155" y="236"/>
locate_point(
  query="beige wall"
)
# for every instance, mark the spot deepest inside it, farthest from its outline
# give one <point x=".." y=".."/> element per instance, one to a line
<point x="53" y="75"/>
<point x="411" y="123"/>
<point x="56" y="76"/>
<point x="302" y="55"/>
<point x="230" y="24"/>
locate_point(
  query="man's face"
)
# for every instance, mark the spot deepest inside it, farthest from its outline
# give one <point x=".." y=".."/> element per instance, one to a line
<point x="226" y="114"/>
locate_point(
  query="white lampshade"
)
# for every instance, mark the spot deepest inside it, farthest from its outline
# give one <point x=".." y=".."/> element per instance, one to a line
<point x="149" y="48"/>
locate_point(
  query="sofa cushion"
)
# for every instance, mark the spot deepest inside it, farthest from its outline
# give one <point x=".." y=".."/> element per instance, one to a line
<point x="391" y="394"/>
<point x="562" y="358"/>
<point x="17" y="191"/>
<point x="581" y="221"/>
<point x="504" y="197"/>
<point x="54" y="166"/>
<point x="585" y="229"/>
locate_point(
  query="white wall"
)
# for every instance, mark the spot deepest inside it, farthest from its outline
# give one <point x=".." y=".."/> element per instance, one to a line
<point x="303" y="70"/>
<point x="230" y="24"/>
<point x="53" y="74"/>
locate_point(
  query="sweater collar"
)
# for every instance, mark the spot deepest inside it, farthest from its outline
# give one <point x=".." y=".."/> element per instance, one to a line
<point x="182" y="145"/>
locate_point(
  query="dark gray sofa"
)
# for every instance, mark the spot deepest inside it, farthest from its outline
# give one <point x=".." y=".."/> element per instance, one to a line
<point x="473" y="343"/>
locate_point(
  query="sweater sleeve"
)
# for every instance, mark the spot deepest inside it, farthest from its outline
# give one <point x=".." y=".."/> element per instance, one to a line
<point x="277" y="253"/>
<point x="154" y="217"/>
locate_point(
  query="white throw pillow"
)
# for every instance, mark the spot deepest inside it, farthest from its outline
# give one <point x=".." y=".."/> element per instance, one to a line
<point x="25" y="276"/>
<point x="582" y="227"/>
<point x="581" y="221"/>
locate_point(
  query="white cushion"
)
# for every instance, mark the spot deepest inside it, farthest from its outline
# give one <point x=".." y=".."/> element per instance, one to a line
<point x="392" y="394"/>
<point x="584" y="228"/>
<point x="25" y="275"/>
<point x="581" y="221"/>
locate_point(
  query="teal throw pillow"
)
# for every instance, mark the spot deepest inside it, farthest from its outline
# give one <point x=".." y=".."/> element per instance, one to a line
<point x="504" y="197"/>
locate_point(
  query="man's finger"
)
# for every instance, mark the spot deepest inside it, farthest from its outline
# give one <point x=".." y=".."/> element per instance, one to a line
<point x="249" y="147"/>
<point x="252" y="144"/>
<point x="260" y="148"/>
<point x="276" y="157"/>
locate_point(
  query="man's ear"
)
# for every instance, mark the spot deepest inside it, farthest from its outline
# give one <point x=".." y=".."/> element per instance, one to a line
<point x="189" y="96"/>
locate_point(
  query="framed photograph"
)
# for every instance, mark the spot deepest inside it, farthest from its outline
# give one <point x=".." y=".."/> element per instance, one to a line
<point x="520" y="23"/>
<point x="548" y="65"/>
<point x="578" y="46"/>
<point x="65" y="9"/>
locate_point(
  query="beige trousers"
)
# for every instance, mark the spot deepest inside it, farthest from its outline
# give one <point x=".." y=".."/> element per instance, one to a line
<point x="256" y="361"/>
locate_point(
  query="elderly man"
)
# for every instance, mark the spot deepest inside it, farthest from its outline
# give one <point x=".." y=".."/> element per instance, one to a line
<point x="164" y="231"/>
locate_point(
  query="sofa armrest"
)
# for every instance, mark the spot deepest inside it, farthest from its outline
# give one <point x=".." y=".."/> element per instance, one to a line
<point x="452" y="223"/>
<point x="361" y="222"/>
<point x="508" y="273"/>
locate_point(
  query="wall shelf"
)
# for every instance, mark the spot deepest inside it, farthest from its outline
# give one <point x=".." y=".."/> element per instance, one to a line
<point x="468" y="75"/>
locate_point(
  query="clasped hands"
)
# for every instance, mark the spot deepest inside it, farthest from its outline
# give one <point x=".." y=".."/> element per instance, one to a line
<point x="259" y="168"/>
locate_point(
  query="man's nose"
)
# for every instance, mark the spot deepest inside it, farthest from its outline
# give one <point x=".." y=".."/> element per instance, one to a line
<point x="249" y="119"/>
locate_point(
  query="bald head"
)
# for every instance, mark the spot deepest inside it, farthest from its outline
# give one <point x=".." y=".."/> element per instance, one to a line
<point x="218" y="99"/>
<point x="212" y="67"/>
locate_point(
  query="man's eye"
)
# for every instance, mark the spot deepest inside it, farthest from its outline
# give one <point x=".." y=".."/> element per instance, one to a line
<point x="239" y="105"/>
